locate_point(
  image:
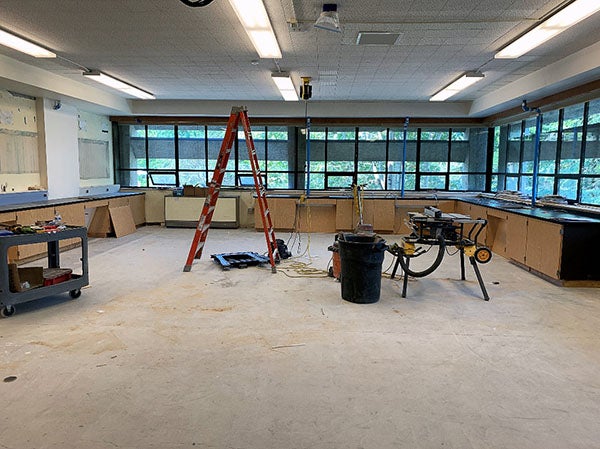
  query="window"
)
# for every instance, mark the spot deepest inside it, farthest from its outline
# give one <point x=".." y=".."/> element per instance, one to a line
<point x="468" y="159"/>
<point x="433" y="160"/>
<point x="372" y="143"/>
<point x="572" y="134"/>
<point x="590" y="182"/>
<point x="317" y="158"/>
<point x="131" y="158"/>
<point x="280" y="158"/>
<point x="192" y="155"/>
<point x="569" y="158"/>
<point x="395" y="158"/>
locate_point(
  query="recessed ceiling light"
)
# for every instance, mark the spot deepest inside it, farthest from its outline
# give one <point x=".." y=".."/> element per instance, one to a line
<point x="458" y="85"/>
<point x="109" y="81"/>
<point x="253" y="16"/>
<point x="10" y="40"/>
<point x="285" y="85"/>
<point x="559" y="22"/>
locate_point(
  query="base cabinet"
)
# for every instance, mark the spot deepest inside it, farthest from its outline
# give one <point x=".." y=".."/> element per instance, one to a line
<point x="543" y="251"/>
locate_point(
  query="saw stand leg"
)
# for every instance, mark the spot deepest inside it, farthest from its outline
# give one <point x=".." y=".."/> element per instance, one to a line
<point x="405" y="279"/>
<point x="462" y="265"/>
<point x="479" y="279"/>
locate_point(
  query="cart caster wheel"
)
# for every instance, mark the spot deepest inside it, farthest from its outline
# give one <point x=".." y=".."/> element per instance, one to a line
<point x="7" y="311"/>
<point x="75" y="293"/>
<point x="483" y="255"/>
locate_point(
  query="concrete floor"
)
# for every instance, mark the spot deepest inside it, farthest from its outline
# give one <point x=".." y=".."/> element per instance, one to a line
<point x="151" y="357"/>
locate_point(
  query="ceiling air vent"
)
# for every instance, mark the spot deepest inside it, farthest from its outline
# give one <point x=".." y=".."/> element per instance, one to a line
<point x="377" y="38"/>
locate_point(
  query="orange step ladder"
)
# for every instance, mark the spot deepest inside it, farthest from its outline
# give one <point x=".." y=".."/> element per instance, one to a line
<point x="237" y="114"/>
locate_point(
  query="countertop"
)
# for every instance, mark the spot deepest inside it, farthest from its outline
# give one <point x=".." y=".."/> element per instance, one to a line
<point x="540" y="212"/>
<point x="63" y="201"/>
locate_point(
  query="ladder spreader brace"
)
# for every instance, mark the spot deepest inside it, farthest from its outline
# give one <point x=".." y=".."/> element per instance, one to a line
<point x="237" y="114"/>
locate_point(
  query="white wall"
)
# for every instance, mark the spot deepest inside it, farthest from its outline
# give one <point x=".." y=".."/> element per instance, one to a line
<point x="60" y="149"/>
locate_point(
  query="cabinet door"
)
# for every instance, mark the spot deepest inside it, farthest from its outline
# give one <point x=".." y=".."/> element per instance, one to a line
<point x="516" y="238"/>
<point x="72" y="215"/>
<point x="463" y="208"/>
<point x="383" y="217"/>
<point x="368" y="211"/>
<point x="282" y="210"/>
<point x="544" y="247"/>
<point x="344" y="215"/>
<point x="138" y="209"/>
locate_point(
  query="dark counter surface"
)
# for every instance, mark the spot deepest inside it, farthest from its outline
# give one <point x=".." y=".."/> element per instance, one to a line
<point x="64" y="201"/>
<point x="539" y="212"/>
<point x="552" y="214"/>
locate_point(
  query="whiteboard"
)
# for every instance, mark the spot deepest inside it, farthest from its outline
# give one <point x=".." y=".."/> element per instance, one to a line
<point x="18" y="152"/>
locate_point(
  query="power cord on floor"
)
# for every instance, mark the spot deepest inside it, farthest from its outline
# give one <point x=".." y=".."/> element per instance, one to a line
<point x="303" y="270"/>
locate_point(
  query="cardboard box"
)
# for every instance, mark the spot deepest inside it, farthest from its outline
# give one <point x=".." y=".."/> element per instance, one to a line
<point x="195" y="191"/>
<point x="22" y="279"/>
<point x="188" y="190"/>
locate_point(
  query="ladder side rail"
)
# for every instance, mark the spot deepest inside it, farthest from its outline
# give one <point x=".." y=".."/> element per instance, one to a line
<point x="213" y="192"/>
<point x="261" y="194"/>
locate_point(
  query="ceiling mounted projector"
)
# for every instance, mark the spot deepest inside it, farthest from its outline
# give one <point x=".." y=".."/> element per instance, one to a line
<point x="329" y="19"/>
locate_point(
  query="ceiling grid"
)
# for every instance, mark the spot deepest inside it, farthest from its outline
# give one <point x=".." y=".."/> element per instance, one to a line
<point x="182" y="53"/>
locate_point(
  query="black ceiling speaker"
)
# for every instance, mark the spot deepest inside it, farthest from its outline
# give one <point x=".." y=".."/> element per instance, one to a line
<point x="196" y="3"/>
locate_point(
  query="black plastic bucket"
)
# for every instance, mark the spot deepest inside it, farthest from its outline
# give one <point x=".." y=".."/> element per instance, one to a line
<point x="361" y="258"/>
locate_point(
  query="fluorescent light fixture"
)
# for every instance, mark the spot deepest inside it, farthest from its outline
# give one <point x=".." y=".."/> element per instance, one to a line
<point x="285" y="86"/>
<point x="329" y="19"/>
<point x="19" y="44"/>
<point x="556" y="24"/>
<point x="253" y="16"/>
<point x="456" y="86"/>
<point x="119" y="85"/>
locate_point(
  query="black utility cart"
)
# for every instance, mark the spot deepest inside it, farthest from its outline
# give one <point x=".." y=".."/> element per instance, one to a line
<point x="13" y="292"/>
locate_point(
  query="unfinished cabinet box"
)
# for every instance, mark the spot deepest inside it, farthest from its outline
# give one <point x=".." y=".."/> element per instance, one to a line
<point x="497" y="229"/>
<point x="283" y="213"/>
<point x="317" y="215"/>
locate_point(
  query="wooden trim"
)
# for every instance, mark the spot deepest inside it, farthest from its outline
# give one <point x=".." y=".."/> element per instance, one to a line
<point x="300" y="121"/>
<point x="555" y="101"/>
